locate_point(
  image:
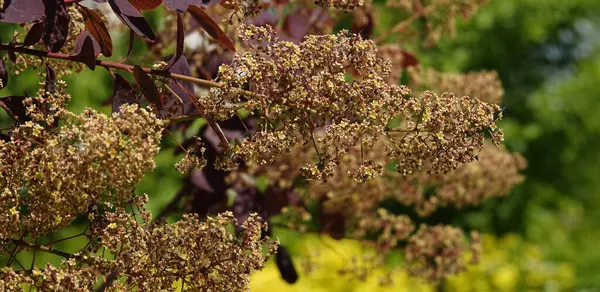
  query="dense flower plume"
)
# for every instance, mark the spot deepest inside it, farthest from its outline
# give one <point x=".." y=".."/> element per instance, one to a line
<point x="493" y="175"/>
<point x="304" y="97"/>
<point x="50" y="175"/>
<point x="435" y="252"/>
<point x="321" y="116"/>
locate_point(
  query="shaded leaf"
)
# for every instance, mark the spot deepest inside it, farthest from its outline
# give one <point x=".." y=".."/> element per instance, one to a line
<point x="211" y="27"/>
<point x="145" y="4"/>
<point x="285" y="265"/>
<point x="333" y="224"/>
<point x="3" y="74"/>
<point x="34" y="35"/>
<point x="131" y="43"/>
<point x="131" y="17"/>
<point x="263" y="18"/>
<point x="297" y="23"/>
<point x="409" y="59"/>
<point x="22" y="11"/>
<point x="147" y="86"/>
<point x="123" y="93"/>
<point x="13" y="105"/>
<point x="98" y="30"/>
<point x="181" y="67"/>
<point x="180" y="39"/>
<point x="86" y="49"/>
<point x="56" y="24"/>
<point x="50" y="79"/>
<point x="181" y="6"/>
<point x="12" y="56"/>
<point x="363" y="23"/>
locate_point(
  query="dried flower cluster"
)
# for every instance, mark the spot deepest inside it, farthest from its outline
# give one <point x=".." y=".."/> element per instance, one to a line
<point x="484" y="85"/>
<point x="341" y="4"/>
<point x="435" y="252"/>
<point x="304" y="97"/>
<point x="197" y="255"/>
<point x="189" y="255"/>
<point x="49" y="175"/>
<point x="493" y="175"/>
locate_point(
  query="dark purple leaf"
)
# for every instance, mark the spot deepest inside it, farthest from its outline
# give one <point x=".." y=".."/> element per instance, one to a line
<point x="12" y="56"/>
<point x="22" y="11"/>
<point x="409" y="59"/>
<point x="363" y="23"/>
<point x="123" y="93"/>
<point x="13" y="105"/>
<point x="56" y="24"/>
<point x="211" y="27"/>
<point x="50" y="79"/>
<point x="3" y="74"/>
<point x="263" y="18"/>
<point x="130" y="48"/>
<point x="333" y="224"/>
<point x="180" y="39"/>
<point x="181" y="67"/>
<point x="86" y="49"/>
<point x="131" y="17"/>
<point x="97" y="29"/>
<point x="34" y="35"/>
<point x="215" y="60"/>
<point x="147" y="86"/>
<point x="80" y="42"/>
<point x="145" y="4"/>
<point x="297" y="23"/>
<point x="181" y="6"/>
<point x="285" y="265"/>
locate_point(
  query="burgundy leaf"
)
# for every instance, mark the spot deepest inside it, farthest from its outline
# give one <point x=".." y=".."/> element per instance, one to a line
<point x="409" y="59"/>
<point x="180" y="39"/>
<point x="332" y="224"/>
<point x="179" y="6"/>
<point x="123" y="93"/>
<point x="86" y="49"/>
<point x="182" y="67"/>
<point x="22" y="11"/>
<point x="211" y="27"/>
<point x="363" y="23"/>
<point x="56" y="24"/>
<point x="3" y="74"/>
<point x="297" y="23"/>
<point x="145" y="4"/>
<point x="50" y="79"/>
<point x="263" y="18"/>
<point x="12" y="56"/>
<point x="34" y="35"/>
<point x="285" y="265"/>
<point x="215" y="60"/>
<point x="13" y="105"/>
<point x="147" y="86"/>
<point x="130" y="48"/>
<point x="97" y="29"/>
<point x="131" y="17"/>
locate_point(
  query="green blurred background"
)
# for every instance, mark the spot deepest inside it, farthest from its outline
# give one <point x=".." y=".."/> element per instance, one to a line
<point x="543" y="237"/>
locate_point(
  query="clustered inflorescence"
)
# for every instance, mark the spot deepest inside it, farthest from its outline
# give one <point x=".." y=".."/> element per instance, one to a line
<point x="58" y="166"/>
<point x="329" y="92"/>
